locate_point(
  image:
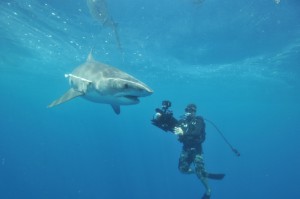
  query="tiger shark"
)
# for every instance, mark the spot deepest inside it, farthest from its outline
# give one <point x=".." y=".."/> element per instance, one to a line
<point x="101" y="83"/>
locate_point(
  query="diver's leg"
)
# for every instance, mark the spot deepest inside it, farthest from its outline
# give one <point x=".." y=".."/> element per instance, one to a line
<point x="185" y="162"/>
<point x="202" y="174"/>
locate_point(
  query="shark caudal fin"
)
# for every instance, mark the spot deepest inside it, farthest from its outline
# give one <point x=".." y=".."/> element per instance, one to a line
<point x="70" y="94"/>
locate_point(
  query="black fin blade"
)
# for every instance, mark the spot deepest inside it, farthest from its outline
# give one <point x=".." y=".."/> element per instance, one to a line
<point x="216" y="176"/>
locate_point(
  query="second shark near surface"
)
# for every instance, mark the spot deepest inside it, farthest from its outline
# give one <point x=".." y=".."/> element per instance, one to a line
<point x="99" y="11"/>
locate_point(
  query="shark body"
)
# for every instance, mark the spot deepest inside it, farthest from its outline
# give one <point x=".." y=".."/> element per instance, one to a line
<point x="101" y="83"/>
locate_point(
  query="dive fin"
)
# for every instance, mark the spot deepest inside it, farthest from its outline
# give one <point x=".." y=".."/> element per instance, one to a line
<point x="216" y="176"/>
<point x="116" y="108"/>
<point x="205" y="196"/>
<point x="70" y="94"/>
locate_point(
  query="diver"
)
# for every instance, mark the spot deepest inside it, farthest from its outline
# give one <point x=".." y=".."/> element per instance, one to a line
<point x="191" y="133"/>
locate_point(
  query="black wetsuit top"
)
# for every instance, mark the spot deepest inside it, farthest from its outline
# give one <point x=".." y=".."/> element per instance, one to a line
<point x="194" y="132"/>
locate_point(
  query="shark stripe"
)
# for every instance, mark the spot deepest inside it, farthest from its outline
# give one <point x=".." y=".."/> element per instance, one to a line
<point x="74" y="76"/>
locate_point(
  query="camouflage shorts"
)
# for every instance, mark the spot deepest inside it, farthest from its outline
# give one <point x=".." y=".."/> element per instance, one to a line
<point x="191" y="156"/>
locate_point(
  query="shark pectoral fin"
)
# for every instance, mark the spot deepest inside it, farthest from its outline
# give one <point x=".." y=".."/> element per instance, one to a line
<point x="70" y="94"/>
<point x="116" y="108"/>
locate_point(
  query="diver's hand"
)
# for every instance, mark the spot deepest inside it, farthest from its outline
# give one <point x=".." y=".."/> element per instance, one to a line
<point x="178" y="131"/>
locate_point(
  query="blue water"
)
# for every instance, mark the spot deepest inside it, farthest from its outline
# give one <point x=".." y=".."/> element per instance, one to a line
<point x="239" y="61"/>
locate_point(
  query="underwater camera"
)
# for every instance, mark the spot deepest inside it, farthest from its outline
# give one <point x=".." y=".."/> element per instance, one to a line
<point x="163" y="117"/>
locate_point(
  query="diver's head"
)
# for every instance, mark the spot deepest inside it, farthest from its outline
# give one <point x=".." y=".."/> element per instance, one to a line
<point x="190" y="111"/>
<point x="166" y="104"/>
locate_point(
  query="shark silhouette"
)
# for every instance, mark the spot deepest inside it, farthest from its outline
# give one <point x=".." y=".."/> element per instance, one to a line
<point x="99" y="11"/>
<point x="101" y="83"/>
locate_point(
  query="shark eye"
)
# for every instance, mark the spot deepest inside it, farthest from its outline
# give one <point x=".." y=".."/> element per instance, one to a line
<point x="126" y="86"/>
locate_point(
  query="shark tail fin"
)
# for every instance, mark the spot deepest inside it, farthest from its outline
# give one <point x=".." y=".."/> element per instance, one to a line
<point x="70" y="94"/>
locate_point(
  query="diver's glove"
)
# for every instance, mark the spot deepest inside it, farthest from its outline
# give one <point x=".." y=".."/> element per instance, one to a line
<point x="178" y="131"/>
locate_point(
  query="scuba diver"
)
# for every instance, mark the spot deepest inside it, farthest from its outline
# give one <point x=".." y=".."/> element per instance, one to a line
<point x="191" y="133"/>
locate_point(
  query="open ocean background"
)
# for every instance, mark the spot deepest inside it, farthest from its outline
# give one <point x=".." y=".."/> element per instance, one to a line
<point x="238" y="60"/>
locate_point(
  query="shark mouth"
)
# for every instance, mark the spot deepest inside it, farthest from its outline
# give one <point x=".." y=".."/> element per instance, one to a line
<point x="132" y="97"/>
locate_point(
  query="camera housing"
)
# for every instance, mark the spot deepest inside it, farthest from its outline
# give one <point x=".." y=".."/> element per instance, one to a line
<point x="163" y="118"/>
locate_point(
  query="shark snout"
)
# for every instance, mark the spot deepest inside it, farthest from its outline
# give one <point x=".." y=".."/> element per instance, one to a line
<point x="145" y="91"/>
